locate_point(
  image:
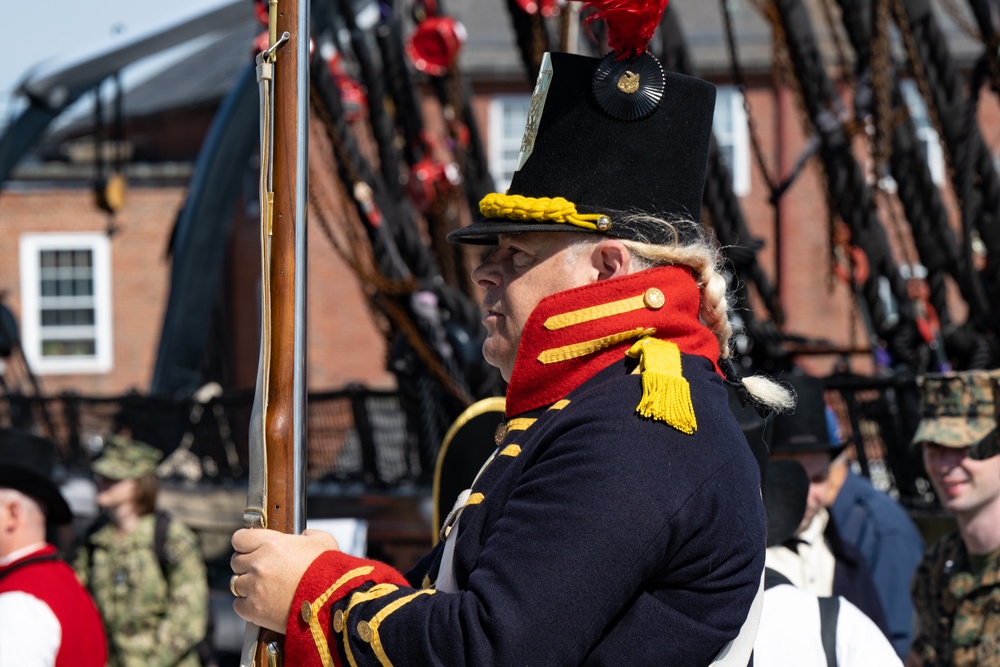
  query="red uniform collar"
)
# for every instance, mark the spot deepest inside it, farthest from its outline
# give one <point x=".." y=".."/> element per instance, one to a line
<point x="607" y="315"/>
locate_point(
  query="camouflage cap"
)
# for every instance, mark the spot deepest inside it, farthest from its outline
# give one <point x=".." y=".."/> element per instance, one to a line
<point x="124" y="458"/>
<point x="957" y="409"/>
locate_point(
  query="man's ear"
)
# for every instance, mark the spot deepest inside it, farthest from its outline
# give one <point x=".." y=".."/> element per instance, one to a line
<point x="612" y="259"/>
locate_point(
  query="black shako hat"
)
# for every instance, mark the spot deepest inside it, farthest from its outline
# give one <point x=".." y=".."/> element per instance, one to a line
<point x="785" y="488"/>
<point x="606" y="138"/>
<point x="784" y="484"/>
<point x="26" y="463"/>
<point x="806" y="428"/>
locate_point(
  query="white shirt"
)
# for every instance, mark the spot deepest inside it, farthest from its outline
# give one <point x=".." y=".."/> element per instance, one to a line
<point x="811" y="566"/>
<point x="30" y="634"/>
<point x="789" y="634"/>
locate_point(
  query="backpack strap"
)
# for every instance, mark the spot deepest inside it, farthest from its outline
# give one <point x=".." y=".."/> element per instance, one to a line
<point x="160" y="543"/>
<point x="160" y="529"/>
<point x="774" y="578"/>
<point x="829" y="610"/>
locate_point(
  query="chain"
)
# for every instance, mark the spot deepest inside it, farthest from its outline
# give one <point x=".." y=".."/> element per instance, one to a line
<point x="889" y="205"/>
<point x="917" y="66"/>
<point x="380" y="289"/>
<point x="846" y="73"/>
<point x="758" y="152"/>
<point x="782" y="63"/>
<point x="960" y="20"/>
<point x="880" y="66"/>
<point x="993" y="56"/>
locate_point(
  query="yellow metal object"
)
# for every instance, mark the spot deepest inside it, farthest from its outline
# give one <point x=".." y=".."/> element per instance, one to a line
<point x="654" y="299"/>
<point x="365" y="633"/>
<point x="628" y="82"/>
<point x="273" y="654"/>
<point x="109" y="194"/>
<point x="272" y="25"/>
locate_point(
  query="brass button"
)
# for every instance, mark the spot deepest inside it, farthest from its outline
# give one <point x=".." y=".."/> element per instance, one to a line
<point x="365" y="632"/>
<point x="654" y="299"/>
<point x="338" y="621"/>
<point x="307" y="611"/>
<point x="603" y="223"/>
<point x="500" y="434"/>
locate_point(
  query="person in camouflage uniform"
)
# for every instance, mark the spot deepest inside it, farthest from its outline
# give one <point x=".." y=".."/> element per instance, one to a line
<point x="155" y="612"/>
<point x="956" y="590"/>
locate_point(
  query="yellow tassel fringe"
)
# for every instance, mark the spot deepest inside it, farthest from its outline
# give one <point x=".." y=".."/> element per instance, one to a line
<point x="666" y="395"/>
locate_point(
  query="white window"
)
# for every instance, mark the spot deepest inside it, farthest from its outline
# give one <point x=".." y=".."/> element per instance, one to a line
<point x="508" y="114"/>
<point x="66" y="302"/>
<point x="926" y="134"/>
<point x="733" y="137"/>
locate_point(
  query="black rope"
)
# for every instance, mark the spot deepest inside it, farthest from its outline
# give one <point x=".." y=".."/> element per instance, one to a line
<point x="848" y="194"/>
<point x="972" y="172"/>
<point x="933" y="237"/>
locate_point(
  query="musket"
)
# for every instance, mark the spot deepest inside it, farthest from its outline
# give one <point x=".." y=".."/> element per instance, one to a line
<point x="276" y="489"/>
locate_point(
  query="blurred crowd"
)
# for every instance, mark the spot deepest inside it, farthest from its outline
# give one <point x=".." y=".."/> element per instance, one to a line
<point x="848" y="580"/>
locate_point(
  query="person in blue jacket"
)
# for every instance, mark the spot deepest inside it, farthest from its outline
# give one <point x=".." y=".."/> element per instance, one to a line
<point x="884" y="534"/>
<point x="818" y="558"/>
<point x="619" y="520"/>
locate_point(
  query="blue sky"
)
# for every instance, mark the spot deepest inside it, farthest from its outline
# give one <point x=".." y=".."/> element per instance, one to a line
<point x="42" y="30"/>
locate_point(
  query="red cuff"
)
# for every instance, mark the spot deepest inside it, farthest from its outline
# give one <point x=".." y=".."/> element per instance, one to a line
<point x="332" y="576"/>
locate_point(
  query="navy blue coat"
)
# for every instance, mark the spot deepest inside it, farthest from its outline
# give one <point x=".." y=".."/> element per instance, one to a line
<point x="886" y="537"/>
<point x="595" y="537"/>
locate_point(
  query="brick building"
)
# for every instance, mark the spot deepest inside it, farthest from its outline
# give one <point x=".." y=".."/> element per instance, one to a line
<point x="105" y="341"/>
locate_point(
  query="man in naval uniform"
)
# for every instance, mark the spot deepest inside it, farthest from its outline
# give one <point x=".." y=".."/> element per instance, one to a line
<point x="620" y="519"/>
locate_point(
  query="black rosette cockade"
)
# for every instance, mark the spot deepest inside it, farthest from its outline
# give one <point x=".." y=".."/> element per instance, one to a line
<point x="628" y="83"/>
<point x="629" y="89"/>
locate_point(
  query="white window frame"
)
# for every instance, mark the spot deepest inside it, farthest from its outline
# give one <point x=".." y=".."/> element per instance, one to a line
<point x="497" y="140"/>
<point x="31" y="247"/>
<point x="730" y="100"/>
<point x="926" y="133"/>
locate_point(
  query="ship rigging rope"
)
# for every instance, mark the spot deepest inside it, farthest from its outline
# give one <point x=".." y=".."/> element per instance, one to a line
<point x="961" y="20"/>
<point x="758" y="152"/>
<point x="846" y="74"/>
<point x="385" y="293"/>
<point x="972" y="156"/>
<point x="920" y="76"/>
<point x="880" y="66"/>
<point x="782" y="64"/>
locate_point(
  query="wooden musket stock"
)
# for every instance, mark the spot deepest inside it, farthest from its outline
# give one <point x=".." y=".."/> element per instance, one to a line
<point x="278" y="463"/>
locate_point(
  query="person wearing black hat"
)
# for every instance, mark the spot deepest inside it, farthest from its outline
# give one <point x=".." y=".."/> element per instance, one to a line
<point x="46" y="616"/>
<point x="815" y="558"/>
<point x="881" y="530"/>
<point x="619" y="520"/>
<point x="797" y="627"/>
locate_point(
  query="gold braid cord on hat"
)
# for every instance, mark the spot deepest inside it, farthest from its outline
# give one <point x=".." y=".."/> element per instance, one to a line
<point x="539" y="209"/>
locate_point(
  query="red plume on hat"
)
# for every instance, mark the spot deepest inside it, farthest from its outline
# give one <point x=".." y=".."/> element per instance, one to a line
<point x="631" y="23"/>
